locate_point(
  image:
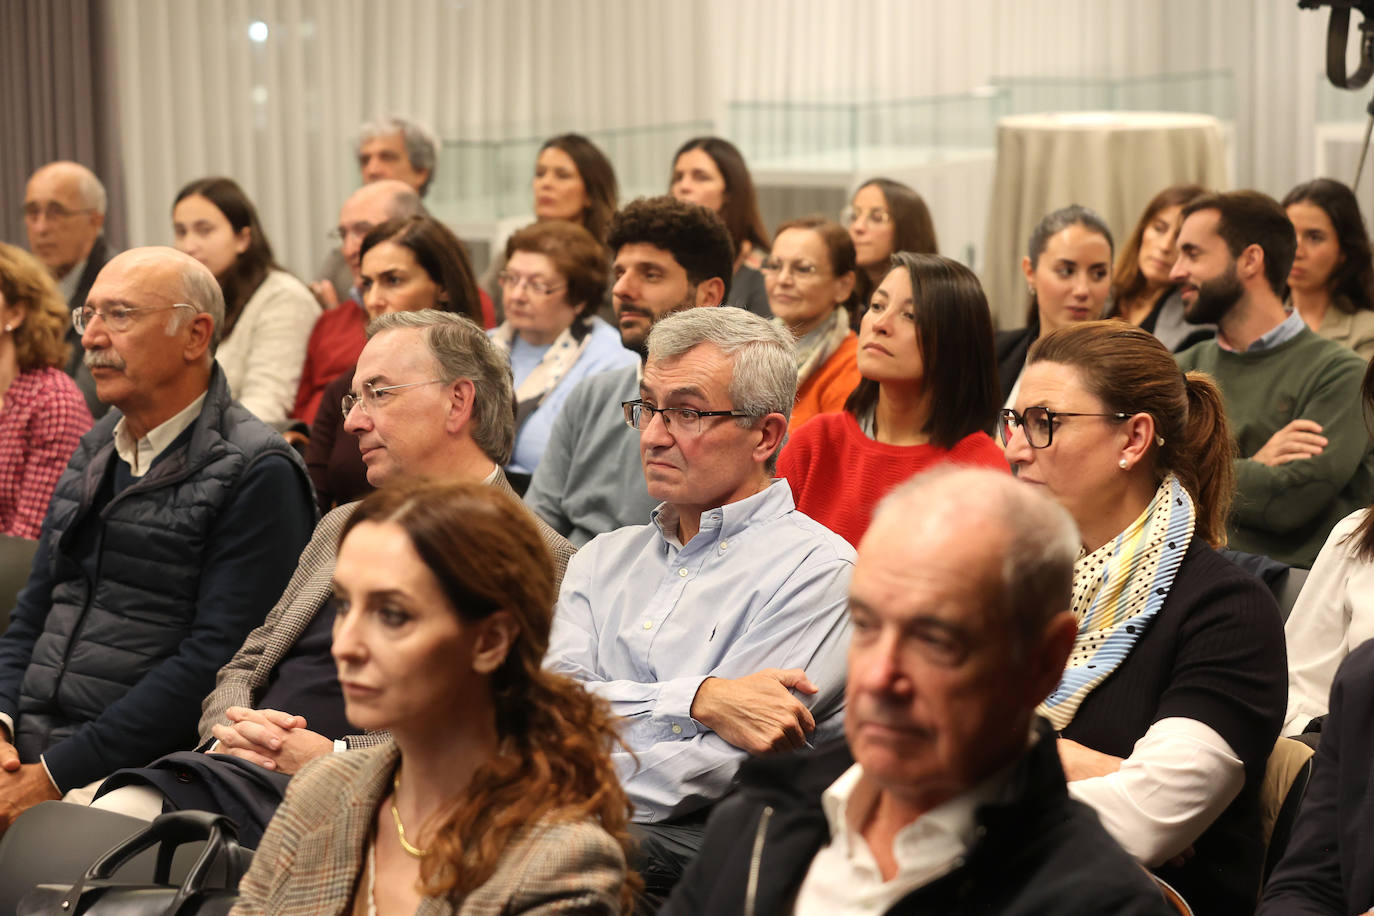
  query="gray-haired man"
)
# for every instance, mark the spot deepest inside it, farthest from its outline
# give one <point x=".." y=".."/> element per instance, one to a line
<point x="718" y="629"/>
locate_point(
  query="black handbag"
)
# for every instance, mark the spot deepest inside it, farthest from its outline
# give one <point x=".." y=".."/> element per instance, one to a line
<point x="99" y="893"/>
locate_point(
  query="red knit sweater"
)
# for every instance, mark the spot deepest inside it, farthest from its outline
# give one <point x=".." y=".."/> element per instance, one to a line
<point x="838" y="474"/>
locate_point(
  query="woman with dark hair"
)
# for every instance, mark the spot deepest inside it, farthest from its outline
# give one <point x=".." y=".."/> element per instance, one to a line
<point x="1331" y="283"/>
<point x="1068" y="267"/>
<point x="268" y="314"/>
<point x="1143" y="294"/>
<point x="407" y="265"/>
<point x="711" y="171"/>
<point x="925" y="343"/>
<point x="497" y="792"/>
<point x="810" y="281"/>
<point x="1335" y="611"/>
<point x="1173" y="695"/>
<point x="555" y="277"/>
<point x="42" y="413"/>
<point x="884" y="217"/>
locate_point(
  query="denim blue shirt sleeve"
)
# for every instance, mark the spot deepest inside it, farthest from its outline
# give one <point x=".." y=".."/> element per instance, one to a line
<point x="642" y="621"/>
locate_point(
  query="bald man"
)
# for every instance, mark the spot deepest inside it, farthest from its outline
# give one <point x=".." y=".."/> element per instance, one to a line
<point x="170" y="534"/>
<point x="64" y="213"/>
<point x="339" y="335"/>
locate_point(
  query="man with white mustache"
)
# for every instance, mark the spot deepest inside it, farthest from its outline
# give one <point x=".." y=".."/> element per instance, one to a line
<point x="669" y="256"/>
<point x="174" y="526"/>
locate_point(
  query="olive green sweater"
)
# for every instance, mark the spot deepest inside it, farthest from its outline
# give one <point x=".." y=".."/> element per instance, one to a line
<point x="1286" y="512"/>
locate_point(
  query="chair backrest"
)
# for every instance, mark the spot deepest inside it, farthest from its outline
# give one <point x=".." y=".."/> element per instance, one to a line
<point x="1171" y="896"/>
<point x="16" y="557"/>
<point x="55" y="842"/>
<point x="1285" y="782"/>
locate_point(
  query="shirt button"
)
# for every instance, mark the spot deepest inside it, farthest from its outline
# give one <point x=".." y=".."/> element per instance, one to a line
<point x="677" y="729"/>
<point x="724" y="544"/>
<point x="682" y="572"/>
<point x="648" y="624"/>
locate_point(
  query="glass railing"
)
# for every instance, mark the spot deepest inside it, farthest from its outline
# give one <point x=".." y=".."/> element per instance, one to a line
<point x="489" y="180"/>
<point x="1204" y="91"/>
<point x="1340" y="106"/>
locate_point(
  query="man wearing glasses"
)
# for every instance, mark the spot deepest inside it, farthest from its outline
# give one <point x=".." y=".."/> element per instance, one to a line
<point x="432" y="398"/>
<point x="670" y="255"/>
<point x="176" y="522"/>
<point x="64" y="214"/>
<point x="718" y="629"/>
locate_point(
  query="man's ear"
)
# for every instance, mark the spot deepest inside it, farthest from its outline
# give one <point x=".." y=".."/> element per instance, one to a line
<point x="495" y="637"/>
<point x="462" y="395"/>
<point x="711" y="292"/>
<point x="200" y="332"/>
<point x="1251" y="262"/>
<point x="772" y="429"/>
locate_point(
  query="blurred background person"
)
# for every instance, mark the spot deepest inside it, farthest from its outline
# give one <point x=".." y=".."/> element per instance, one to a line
<point x="555" y="278"/>
<point x="1068" y="269"/>
<point x="810" y="278"/>
<point x="925" y="342"/>
<point x="1331" y="283"/>
<point x="405" y="265"/>
<point x="268" y="314"/>
<point x="1143" y="294"/>
<point x="710" y="171"/>
<point x="42" y="412"/>
<point x="497" y="792"/>
<point x="885" y="217"/>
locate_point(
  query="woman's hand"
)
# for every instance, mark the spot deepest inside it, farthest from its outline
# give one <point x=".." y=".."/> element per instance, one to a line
<point x="1299" y="439"/>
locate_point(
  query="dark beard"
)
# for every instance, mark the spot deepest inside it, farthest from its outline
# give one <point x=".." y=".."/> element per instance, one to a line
<point x="641" y="345"/>
<point x="1215" y="298"/>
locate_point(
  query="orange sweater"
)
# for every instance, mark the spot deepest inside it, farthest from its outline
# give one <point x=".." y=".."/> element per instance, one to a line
<point x="838" y="474"/>
<point x="827" y="388"/>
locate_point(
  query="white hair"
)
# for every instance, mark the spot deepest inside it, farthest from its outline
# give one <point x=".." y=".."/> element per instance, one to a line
<point x="200" y="289"/>
<point x="422" y="146"/>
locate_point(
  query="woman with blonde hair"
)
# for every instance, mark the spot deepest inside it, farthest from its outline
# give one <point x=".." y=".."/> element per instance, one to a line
<point x="497" y="792"/>
<point x="42" y="412"/>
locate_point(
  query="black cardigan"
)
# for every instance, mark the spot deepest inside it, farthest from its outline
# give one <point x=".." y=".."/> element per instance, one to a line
<point x="1012" y="347"/>
<point x="1213" y="653"/>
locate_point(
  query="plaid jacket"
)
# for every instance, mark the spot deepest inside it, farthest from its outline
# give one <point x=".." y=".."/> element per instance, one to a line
<point x="313" y="852"/>
<point x="243" y="680"/>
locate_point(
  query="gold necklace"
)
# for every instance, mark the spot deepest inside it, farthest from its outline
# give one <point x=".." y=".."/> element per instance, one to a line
<point x="415" y="851"/>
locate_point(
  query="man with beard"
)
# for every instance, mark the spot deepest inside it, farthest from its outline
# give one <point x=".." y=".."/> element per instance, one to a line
<point x="1305" y="459"/>
<point x="669" y="255"/>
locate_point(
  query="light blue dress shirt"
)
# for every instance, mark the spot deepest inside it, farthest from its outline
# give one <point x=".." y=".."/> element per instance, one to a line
<point x="643" y="620"/>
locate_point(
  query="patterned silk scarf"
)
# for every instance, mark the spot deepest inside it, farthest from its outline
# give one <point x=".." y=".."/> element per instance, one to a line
<point x="1117" y="590"/>
<point x="816" y="347"/>
<point x="561" y="356"/>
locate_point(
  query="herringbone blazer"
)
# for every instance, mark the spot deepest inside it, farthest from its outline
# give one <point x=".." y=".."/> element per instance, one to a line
<point x="243" y="680"/>
<point x="314" y="849"/>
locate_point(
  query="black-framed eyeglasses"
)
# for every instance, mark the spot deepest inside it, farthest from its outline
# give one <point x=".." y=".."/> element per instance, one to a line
<point x="1037" y="424"/>
<point x="678" y="419"/>
<point x="371" y="395"/>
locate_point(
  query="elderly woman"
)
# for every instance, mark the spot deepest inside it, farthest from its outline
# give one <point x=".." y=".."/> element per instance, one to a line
<point x="268" y="313"/>
<point x="497" y="792"/>
<point x="555" y="278"/>
<point x="1068" y="268"/>
<point x="1144" y="294"/>
<point x="885" y="217"/>
<point x="1332" y="278"/>
<point x="1174" y="693"/>
<point x="42" y="413"/>
<point x="810" y="281"/>
<point x="711" y="171"/>
<point x="407" y="265"/>
<point x="925" y="340"/>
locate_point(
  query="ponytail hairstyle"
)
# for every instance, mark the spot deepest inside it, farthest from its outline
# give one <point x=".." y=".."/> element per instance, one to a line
<point x="1131" y="372"/>
<point x="1362" y="538"/>
<point x="554" y="765"/>
<point x="1050" y="225"/>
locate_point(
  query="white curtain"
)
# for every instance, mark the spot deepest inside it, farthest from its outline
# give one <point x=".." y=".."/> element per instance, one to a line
<point x="198" y="96"/>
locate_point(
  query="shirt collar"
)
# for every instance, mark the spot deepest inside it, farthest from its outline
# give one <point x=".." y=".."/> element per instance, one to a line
<point x="726" y="521"/>
<point x="1283" y="332"/>
<point x="68" y="284"/>
<point x="139" y="454"/>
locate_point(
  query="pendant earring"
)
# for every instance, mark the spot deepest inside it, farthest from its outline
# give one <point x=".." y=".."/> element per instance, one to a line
<point x="1121" y="464"/>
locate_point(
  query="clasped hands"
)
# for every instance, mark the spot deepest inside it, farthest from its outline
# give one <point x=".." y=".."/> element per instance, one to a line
<point x="757" y="713"/>
<point x="22" y="785"/>
<point x="272" y="739"/>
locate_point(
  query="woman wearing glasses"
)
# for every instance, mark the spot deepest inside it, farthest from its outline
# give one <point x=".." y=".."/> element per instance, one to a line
<point x="497" y="793"/>
<point x="42" y="413"/>
<point x="407" y="265"/>
<point x="925" y="340"/>
<point x="884" y="217"/>
<point x="810" y="281"/>
<point x="555" y="277"/>
<point x="711" y="172"/>
<point x="268" y="314"/>
<point x="1174" y="693"/>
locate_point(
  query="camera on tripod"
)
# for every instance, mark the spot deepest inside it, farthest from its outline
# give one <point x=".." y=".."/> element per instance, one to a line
<point x="1337" y="35"/>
